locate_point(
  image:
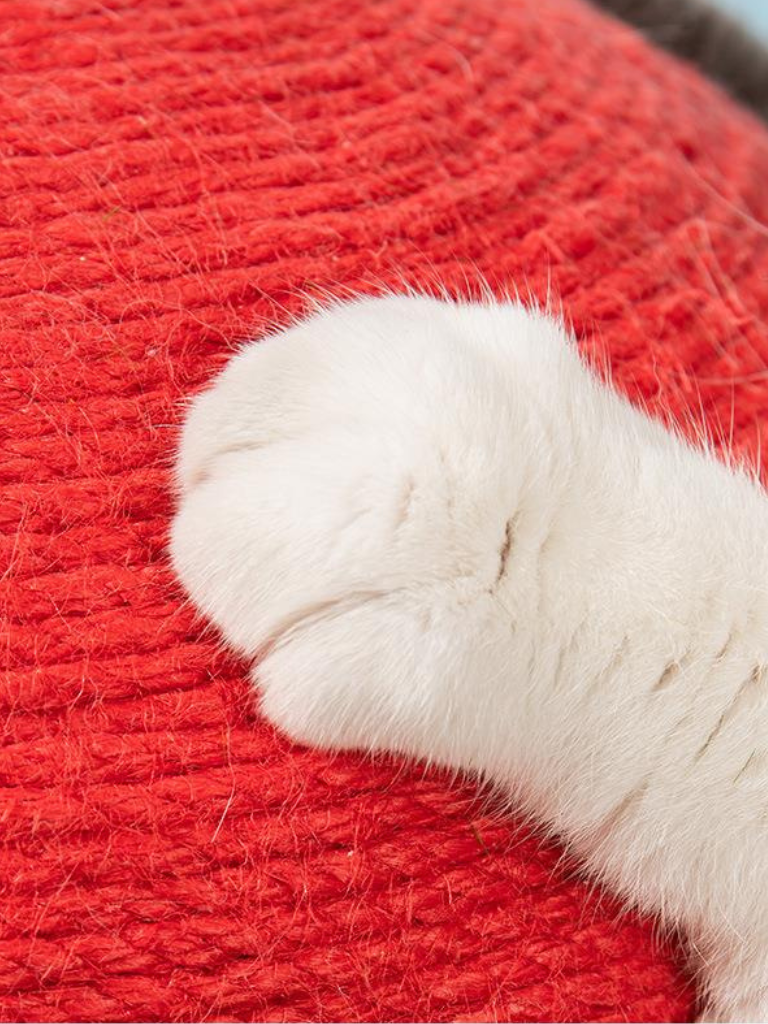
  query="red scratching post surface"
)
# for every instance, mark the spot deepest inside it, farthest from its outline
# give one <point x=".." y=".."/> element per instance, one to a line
<point x="172" y="174"/>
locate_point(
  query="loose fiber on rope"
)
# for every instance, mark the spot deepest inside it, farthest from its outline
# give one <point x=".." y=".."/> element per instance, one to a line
<point x="175" y="175"/>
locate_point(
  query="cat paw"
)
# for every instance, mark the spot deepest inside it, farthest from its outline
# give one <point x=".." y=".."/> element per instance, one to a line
<point x="345" y="490"/>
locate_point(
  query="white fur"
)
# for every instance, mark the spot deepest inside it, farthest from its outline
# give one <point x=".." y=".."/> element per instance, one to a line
<point x="438" y="533"/>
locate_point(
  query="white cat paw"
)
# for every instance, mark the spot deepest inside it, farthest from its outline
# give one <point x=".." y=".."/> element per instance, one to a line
<point x="345" y="489"/>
